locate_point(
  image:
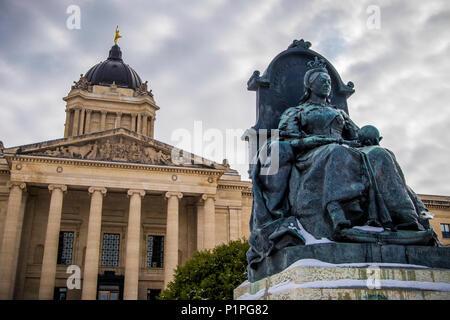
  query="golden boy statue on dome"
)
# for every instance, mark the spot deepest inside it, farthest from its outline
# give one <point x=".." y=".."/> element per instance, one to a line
<point x="117" y="36"/>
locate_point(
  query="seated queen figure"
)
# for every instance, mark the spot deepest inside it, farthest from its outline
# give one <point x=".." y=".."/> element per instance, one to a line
<point x="331" y="176"/>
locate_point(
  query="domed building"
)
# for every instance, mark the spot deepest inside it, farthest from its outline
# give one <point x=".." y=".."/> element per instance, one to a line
<point x="114" y="70"/>
<point x="107" y="211"/>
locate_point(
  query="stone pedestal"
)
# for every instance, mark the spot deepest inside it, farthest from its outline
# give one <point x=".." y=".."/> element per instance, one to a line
<point x="310" y="279"/>
<point x="344" y="253"/>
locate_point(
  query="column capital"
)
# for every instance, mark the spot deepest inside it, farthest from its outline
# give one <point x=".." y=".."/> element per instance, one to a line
<point x="103" y="112"/>
<point x="140" y="192"/>
<point x="62" y="187"/>
<point x="99" y="189"/>
<point x="88" y="111"/>
<point x="170" y="194"/>
<point x="208" y="195"/>
<point x="21" y="185"/>
<point x="119" y="113"/>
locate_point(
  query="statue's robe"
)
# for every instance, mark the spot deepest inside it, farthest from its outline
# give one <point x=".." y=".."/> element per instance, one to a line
<point x="367" y="182"/>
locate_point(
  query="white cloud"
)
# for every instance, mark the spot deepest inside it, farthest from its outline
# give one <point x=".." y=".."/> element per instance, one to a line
<point x="198" y="56"/>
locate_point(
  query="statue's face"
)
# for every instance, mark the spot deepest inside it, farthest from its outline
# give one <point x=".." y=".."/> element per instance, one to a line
<point x="321" y="86"/>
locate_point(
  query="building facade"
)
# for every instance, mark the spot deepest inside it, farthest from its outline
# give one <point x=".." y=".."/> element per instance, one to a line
<point x="107" y="202"/>
<point x="439" y="206"/>
<point x="113" y="207"/>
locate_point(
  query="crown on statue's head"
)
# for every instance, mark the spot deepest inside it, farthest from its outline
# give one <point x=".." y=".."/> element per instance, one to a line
<point x="316" y="64"/>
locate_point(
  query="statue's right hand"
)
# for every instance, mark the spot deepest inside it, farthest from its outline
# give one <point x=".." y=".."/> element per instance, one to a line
<point x="297" y="143"/>
<point x="312" y="142"/>
<point x="319" y="140"/>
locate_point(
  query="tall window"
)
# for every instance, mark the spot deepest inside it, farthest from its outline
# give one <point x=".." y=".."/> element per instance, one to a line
<point x="110" y="250"/>
<point x="445" y="228"/>
<point x="65" y="247"/>
<point x="155" y="252"/>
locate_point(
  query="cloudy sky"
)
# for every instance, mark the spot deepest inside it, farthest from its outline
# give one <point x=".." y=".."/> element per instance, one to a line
<point x="198" y="55"/>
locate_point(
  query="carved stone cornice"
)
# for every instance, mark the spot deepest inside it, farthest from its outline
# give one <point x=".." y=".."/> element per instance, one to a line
<point x="131" y="166"/>
<point x="129" y="100"/>
<point x="113" y="148"/>
<point x="438" y="204"/>
<point x="244" y="187"/>
<point x="115" y="145"/>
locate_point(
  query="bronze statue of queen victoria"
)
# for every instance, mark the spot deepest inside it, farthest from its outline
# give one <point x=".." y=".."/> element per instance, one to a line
<point x="333" y="183"/>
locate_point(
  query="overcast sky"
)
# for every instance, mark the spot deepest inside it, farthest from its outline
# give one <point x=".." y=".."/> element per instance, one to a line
<point x="198" y="55"/>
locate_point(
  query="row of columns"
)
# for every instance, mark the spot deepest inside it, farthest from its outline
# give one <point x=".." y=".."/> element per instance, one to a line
<point x="13" y="225"/>
<point x="82" y="122"/>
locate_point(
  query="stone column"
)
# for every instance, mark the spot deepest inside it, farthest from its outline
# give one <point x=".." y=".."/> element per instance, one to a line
<point x="48" y="271"/>
<point x="103" y="121"/>
<point x="11" y="236"/>
<point x="172" y="236"/>
<point x="118" y="119"/>
<point x="239" y="220"/>
<point x="76" y="121"/>
<point x="200" y="225"/>
<point x="209" y="221"/>
<point x="81" y="129"/>
<point x="87" y="126"/>
<point x="139" y="124"/>
<point x="152" y="128"/>
<point x="133" y="243"/>
<point x="93" y="244"/>
<point x="234" y="231"/>
<point x="66" y="125"/>
<point x="18" y="243"/>
<point x="144" y="125"/>
<point x="133" y="122"/>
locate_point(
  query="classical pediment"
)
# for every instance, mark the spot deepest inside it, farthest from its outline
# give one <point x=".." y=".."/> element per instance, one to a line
<point x="116" y="145"/>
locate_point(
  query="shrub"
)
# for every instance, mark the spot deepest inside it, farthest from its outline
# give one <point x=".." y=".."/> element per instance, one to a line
<point x="210" y="274"/>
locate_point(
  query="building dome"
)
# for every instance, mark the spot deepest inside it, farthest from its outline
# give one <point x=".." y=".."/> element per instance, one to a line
<point x="114" y="70"/>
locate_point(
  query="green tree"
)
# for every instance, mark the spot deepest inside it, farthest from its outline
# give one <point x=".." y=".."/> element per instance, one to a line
<point x="210" y="274"/>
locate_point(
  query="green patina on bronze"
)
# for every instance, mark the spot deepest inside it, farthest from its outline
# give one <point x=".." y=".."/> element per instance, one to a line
<point x="327" y="175"/>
